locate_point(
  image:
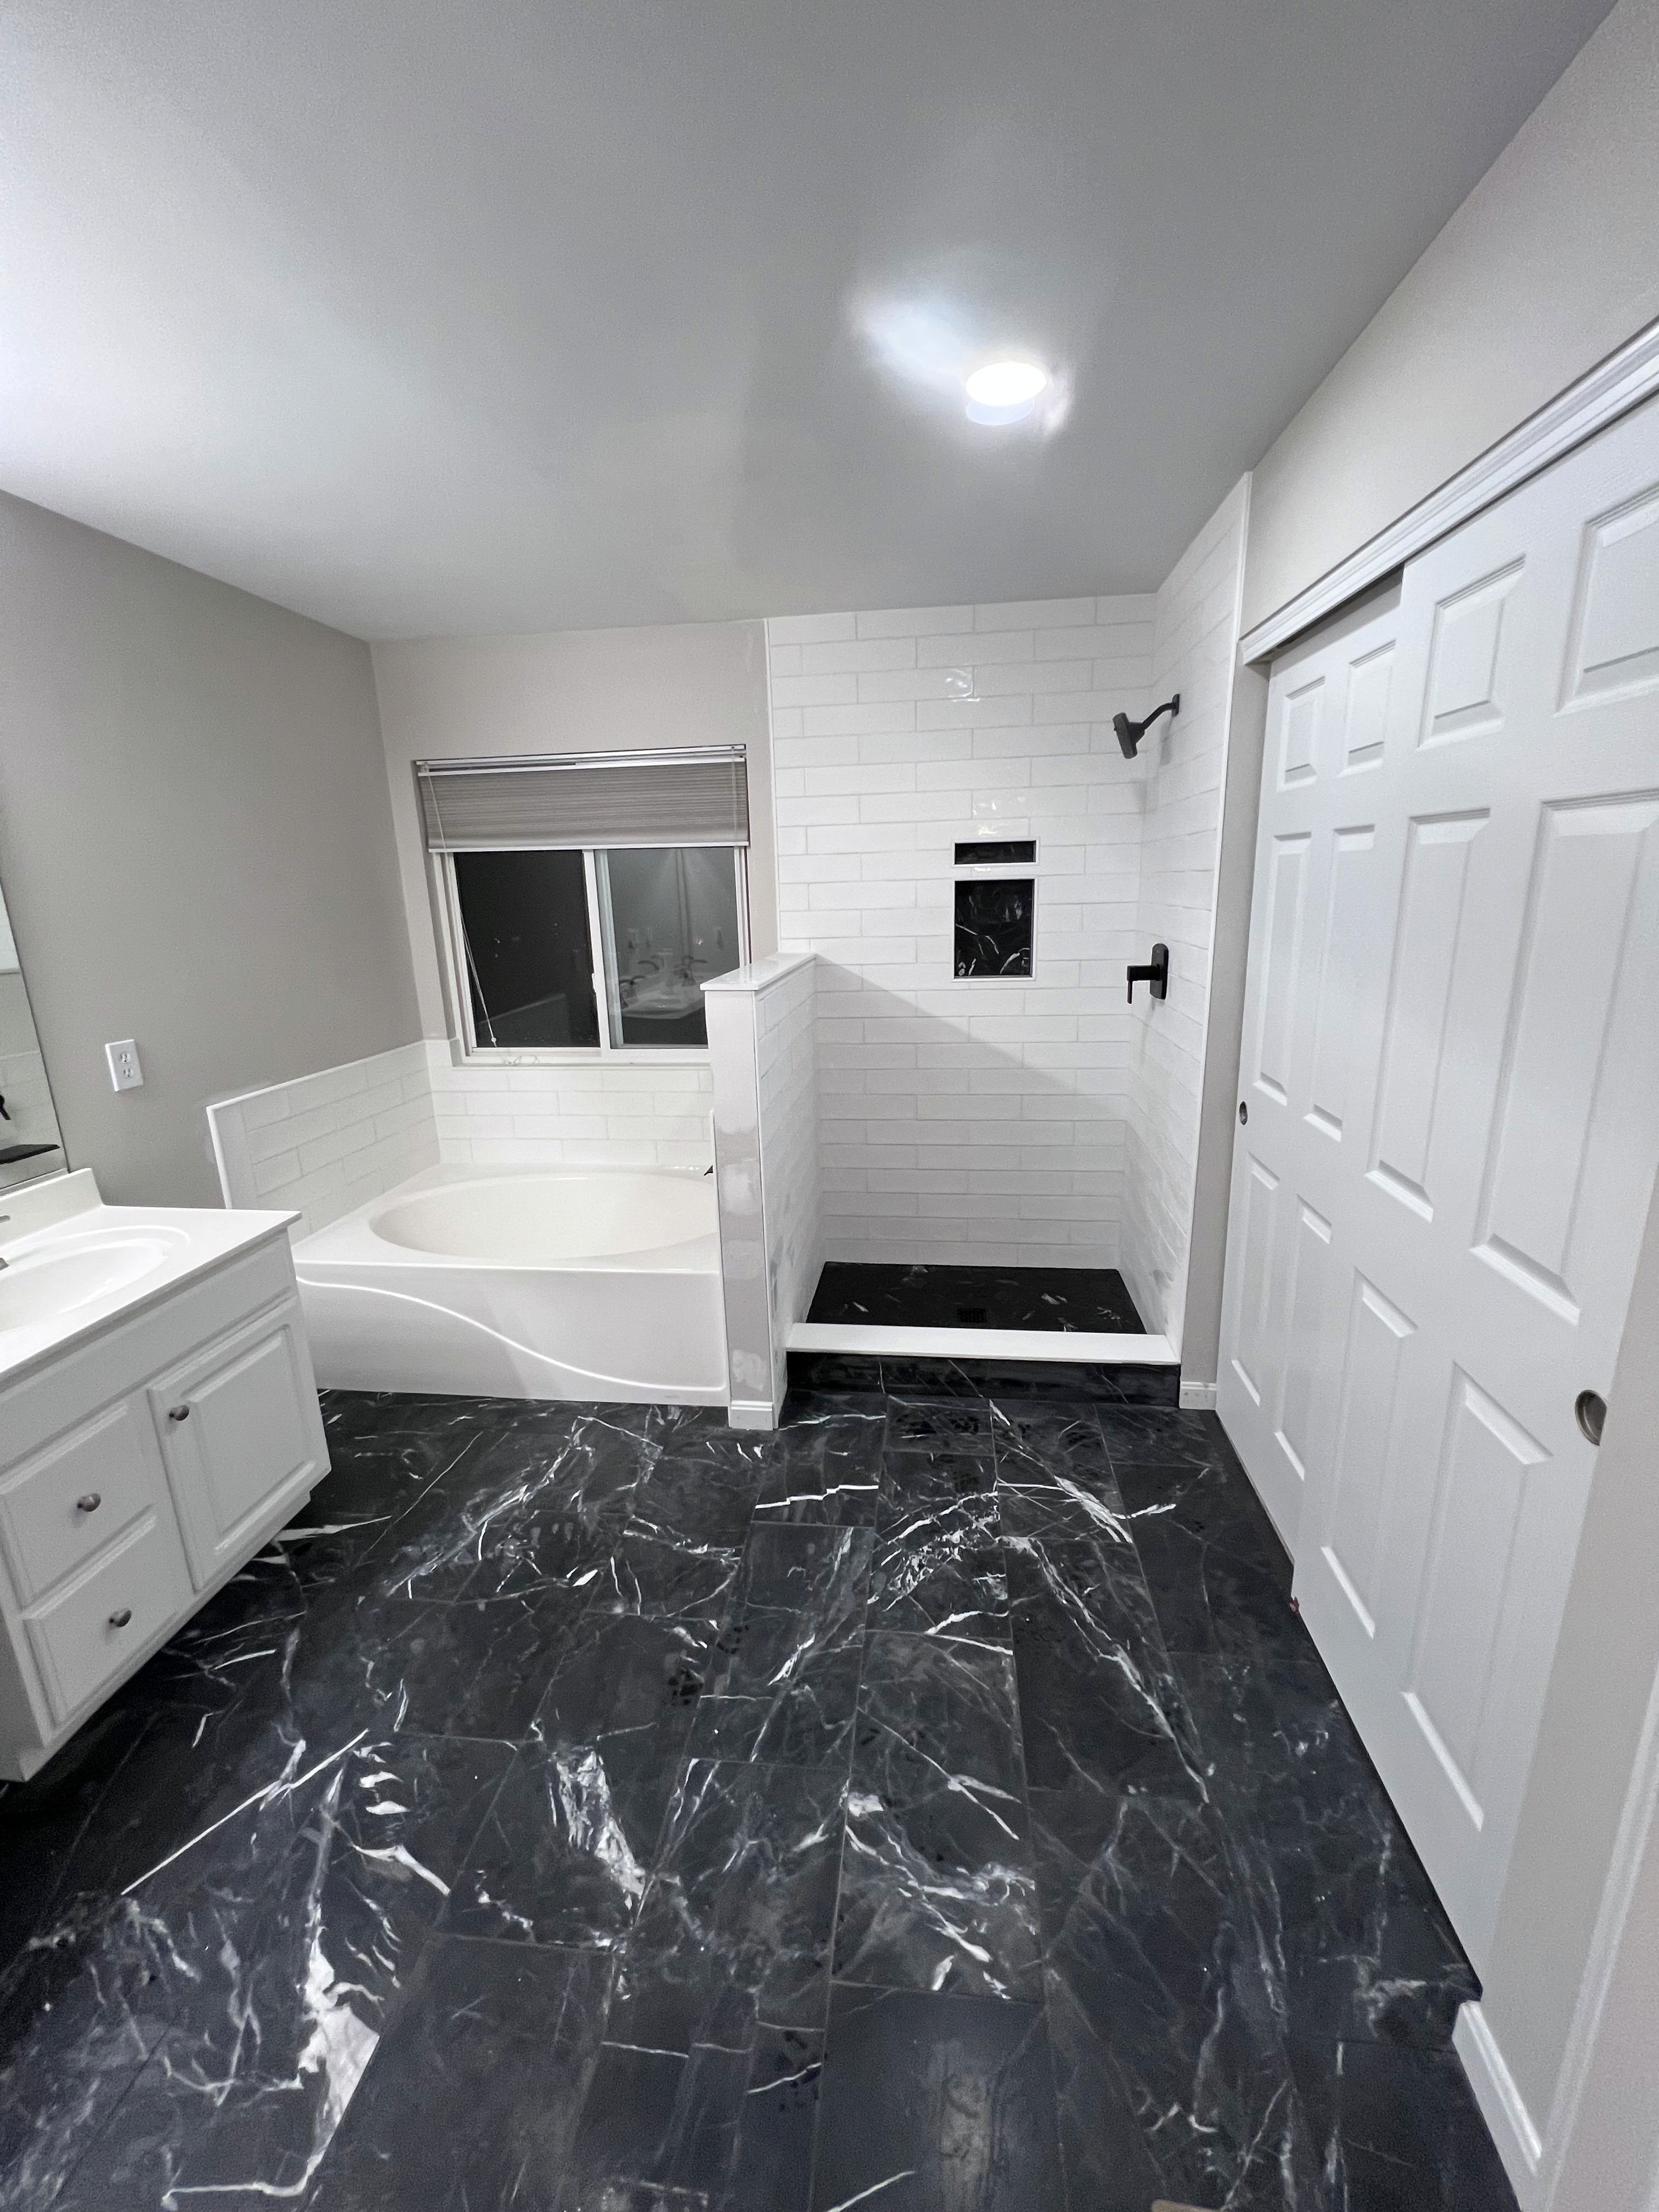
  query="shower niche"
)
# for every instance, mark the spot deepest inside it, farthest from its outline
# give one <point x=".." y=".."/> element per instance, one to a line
<point x="995" y="920"/>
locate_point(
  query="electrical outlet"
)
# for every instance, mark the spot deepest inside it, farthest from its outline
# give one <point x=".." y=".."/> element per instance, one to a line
<point x="124" y="1072"/>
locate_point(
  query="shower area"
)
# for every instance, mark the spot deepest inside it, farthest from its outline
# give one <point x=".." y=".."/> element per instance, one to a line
<point x="956" y="1117"/>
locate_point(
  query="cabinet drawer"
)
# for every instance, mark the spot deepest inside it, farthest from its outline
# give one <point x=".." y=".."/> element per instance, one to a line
<point x="87" y="1634"/>
<point x="241" y="1435"/>
<point x="66" y="1503"/>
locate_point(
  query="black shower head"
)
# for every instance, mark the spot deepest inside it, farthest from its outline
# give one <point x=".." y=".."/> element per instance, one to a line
<point x="1129" y="734"/>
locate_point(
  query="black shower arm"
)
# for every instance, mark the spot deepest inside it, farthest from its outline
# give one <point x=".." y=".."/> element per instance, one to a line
<point x="1170" y="707"/>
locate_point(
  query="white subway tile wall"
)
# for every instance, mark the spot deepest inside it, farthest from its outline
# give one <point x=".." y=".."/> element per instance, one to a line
<point x="762" y="1029"/>
<point x="326" y="1143"/>
<point x="1195" y="644"/>
<point x="603" y="1114"/>
<point x="786" y="1090"/>
<point x="980" y="1121"/>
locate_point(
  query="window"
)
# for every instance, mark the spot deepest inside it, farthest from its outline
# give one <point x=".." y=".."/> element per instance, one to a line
<point x="671" y="921"/>
<point x="566" y="950"/>
<point x="529" y="957"/>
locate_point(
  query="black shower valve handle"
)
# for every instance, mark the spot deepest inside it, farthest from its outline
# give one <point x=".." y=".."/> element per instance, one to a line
<point x="1155" y="976"/>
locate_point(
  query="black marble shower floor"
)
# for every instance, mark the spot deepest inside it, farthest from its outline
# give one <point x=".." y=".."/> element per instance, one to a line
<point x="923" y="1297"/>
<point x="936" y="1806"/>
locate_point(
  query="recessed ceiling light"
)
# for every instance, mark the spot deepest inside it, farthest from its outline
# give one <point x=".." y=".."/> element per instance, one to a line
<point x="1006" y="383"/>
<point x="1005" y="391"/>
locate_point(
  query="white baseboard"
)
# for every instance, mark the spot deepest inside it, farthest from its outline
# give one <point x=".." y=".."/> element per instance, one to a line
<point x="1502" y="2105"/>
<point x="1197" y="1397"/>
<point x="751" y="1413"/>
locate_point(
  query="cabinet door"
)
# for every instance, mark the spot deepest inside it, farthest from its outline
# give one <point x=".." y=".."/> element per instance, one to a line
<point x="242" y="1436"/>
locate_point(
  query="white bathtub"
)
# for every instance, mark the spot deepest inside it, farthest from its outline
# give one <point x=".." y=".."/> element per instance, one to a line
<point x="595" y="1283"/>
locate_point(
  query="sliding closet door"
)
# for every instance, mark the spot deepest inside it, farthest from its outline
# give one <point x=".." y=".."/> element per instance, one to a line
<point x="1451" y="1075"/>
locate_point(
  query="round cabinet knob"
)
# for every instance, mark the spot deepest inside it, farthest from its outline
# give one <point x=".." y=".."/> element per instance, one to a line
<point x="120" y="1619"/>
<point x="1243" y="1112"/>
<point x="1589" y="1410"/>
<point x="89" y="1503"/>
<point x="178" y="1413"/>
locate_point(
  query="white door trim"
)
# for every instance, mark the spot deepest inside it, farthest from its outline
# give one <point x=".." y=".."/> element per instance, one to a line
<point x="1604" y="392"/>
<point x="1586" y="2152"/>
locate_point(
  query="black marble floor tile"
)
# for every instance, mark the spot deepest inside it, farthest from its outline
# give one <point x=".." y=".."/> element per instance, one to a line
<point x="564" y="1852"/>
<point x="1220" y="1579"/>
<point x="1161" y="1436"/>
<point x="1398" y="2130"/>
<point x="938" y="1569"/>
<point x="927" y="1297"/>
<point x="80" y="2011"/>
<point x="824" y="1462"/>
<point x="624" y="1675"/>
<point x="473" y="1667"/>
<point x="815" y="1567"/>
<point x="742" y="1901"/>
<point x="1101" y="1708"/>
<point x="528" y="1888"/>
<point x="937" y="1474"/>
<point x="727" y="2126"/>
<point x="1362" y="1946"/>
<point x="1038" y="1441"/>
<point x="940" y="1424"/>
<point x="784" y="1672"/>
<point x="694" y="1501"/>
<point x="936" y="1885"/>
<point x="282" y="1940"/>
<point x="472" y="2100"/>
<point x="936" y="2103"/>
<point x="1160" y="2003"/>
<point x="662" y="1578"/>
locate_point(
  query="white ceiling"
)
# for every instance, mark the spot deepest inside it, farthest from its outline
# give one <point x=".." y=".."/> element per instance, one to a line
<point x="424" y="317"/>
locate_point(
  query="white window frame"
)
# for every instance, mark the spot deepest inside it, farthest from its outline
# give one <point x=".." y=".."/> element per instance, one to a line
<point x="452" y="942"/>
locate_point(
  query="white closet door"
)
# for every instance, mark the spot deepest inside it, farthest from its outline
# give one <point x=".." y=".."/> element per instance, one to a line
<point x="1452" y="1071"/>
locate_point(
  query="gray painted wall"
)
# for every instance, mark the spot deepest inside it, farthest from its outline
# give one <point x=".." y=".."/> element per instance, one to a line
<point x="195" y="843"/>
<point x="573" y="691"/>
<point x="1548" y="266"/>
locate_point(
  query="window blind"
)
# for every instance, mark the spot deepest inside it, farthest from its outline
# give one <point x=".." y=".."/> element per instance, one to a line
<point x="699" y="797"/>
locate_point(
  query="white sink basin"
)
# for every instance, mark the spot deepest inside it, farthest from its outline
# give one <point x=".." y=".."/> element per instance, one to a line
<point x="44" y="1285"/>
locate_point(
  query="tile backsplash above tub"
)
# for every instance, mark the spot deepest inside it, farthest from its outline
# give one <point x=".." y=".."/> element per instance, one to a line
<point x="326" y="1143"/>
<point x="608" y="1112"/>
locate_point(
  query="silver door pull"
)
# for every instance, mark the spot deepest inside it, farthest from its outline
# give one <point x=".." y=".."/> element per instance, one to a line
<point x="120" y="1619"/>
<point x="89" y="1503"/>
<point x="178" y="1413"/>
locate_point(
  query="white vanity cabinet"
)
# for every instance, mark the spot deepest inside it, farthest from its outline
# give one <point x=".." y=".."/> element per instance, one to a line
<point x="140" y="1466"/>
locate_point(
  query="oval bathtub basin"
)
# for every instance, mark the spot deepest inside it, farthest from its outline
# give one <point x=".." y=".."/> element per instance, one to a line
<point x="543" y="1219"/>
<point x="518" y="1282"/>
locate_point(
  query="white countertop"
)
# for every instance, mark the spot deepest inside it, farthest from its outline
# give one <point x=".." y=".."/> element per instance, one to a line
<point x="117" y="1259"/>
